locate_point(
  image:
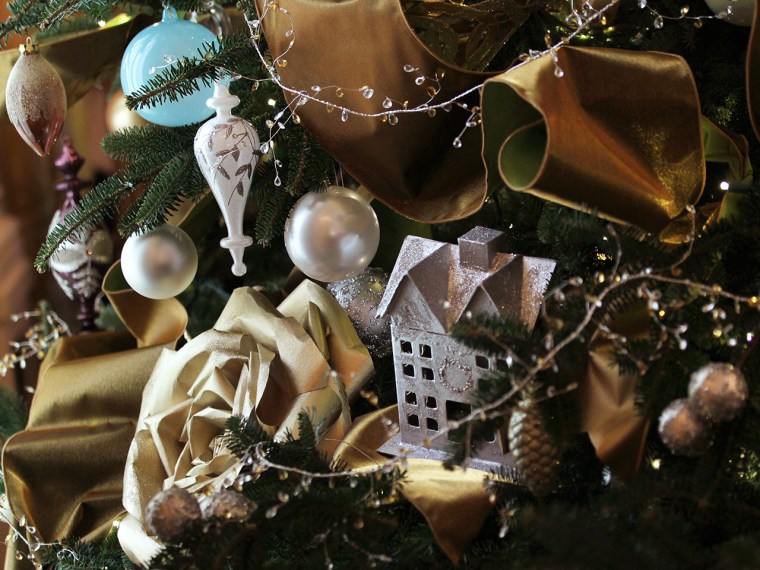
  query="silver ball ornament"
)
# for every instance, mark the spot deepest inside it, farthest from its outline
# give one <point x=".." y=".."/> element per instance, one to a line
<point x="718" y="391"/>
<point x="171" y="513"/>
<point x="332" y="235"/>
<point x="359" y="296"/>
<point x="682" y="430"/>
<point x="737" y="12"/>
<point x="161" y="263"/>
<point x="228" y="505"/>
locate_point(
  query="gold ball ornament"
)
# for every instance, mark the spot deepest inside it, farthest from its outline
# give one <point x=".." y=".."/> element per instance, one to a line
<point x="718" y="391"/>
<point x="228" y="505"/>
<point x="118" y="116"/>
<point x="682" y="430"/>
<point x="171" y="513"/>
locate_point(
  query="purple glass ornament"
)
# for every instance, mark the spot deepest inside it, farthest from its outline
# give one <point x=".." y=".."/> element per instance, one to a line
<point x="79" y="265"/>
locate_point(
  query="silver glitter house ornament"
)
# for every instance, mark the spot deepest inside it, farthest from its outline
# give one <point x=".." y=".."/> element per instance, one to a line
<point x="432" y="286"/>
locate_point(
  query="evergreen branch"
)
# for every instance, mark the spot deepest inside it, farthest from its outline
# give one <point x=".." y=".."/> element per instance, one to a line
<point x="157" y="143"/>
<point x="24" y="14"/>
<point x="179" y="179"/>
<point x="181" y="79"/>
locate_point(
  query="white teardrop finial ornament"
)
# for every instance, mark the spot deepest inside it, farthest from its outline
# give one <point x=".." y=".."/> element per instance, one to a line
<point x="227" y="149"/>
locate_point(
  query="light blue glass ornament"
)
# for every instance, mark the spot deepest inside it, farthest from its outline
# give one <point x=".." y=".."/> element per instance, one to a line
<point x="158" y="47"/>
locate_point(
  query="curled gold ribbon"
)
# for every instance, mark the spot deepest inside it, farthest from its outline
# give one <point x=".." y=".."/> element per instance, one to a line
<point x="64" y="472"/>
<point x="410" y="166"/>
<point x="570" y="139"/>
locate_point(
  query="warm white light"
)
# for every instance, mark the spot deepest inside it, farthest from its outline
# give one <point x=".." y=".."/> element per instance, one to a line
<point x="724" y="186"/>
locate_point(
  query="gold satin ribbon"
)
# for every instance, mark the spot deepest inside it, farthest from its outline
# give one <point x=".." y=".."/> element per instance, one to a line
<point x="753" y="72"/>
<point x="570" y="140"/>
<point x="259" y="361"/>
<point x="411" y="166"/>
<point x="454" y="502"/>
<point x="104" y="48"/>
<point x="64" y="472"/>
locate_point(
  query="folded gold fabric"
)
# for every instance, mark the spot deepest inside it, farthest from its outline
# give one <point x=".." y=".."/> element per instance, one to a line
<point x="753" y="71"/>
<point x="64" y="472"/>
<point x="411" y="166"/>
<point x="259" y="361"/>
<point x="619" y="132"/>
<point x="454" y="502"/>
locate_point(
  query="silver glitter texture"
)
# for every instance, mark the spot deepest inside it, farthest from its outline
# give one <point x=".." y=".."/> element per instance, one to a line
<point x="360" y="296"/>
<point x="718" y="391"/>
<point x="228" y="505"/>
<point x="433" y="286"/>
<point x="683" y="430"/>
<point x="171" y="513"/>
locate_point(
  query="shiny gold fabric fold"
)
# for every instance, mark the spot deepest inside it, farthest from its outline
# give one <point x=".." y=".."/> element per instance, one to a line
<point x="753" y="72"/>
<point x="64" y="472"/>
<point x="258" y="361"/>
<point x="454" y="503"/>
<point x="619" y="132"/>
<point x="609" y="415"/>
<point x="103" y="47"/>
<point x="411" y="166"/>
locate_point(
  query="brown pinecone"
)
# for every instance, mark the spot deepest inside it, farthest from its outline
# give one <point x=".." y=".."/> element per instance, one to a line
<point x="536" y="455"/>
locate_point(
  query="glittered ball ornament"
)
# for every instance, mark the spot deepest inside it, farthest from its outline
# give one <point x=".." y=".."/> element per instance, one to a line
<point x="332" y="235"/>
<point x="228" y="505"/>
<point x="737" y="12"/>
<point x="161" y="263"/>
<point x="718" y="391"/>
<point x="360" y="296"/>
<point x="161" y="46"/>
<point x="171" y="513"/>
<point x="35" y="100"/>
<point x="682" y="430"/>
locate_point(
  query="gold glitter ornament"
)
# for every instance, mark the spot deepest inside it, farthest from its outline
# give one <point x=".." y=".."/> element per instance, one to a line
<point x="682" y="430"/>
<point x="536" y="455"/>
<point x="718" y="392"/>
<point x="172" y="513"/>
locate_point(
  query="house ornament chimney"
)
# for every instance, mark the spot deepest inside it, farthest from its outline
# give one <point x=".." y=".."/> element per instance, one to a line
<point x="479" y="246"/>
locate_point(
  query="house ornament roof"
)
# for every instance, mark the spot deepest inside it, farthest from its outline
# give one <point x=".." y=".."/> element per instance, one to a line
<point x="434" y="283"/>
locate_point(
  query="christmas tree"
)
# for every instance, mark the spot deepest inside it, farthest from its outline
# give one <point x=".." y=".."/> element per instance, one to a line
<point x="507" y="244"/>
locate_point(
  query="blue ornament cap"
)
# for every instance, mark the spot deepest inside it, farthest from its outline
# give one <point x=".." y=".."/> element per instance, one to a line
<point x="158" y="47"/>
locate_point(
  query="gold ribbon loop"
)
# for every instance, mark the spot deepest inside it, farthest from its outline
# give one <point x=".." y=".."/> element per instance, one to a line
<point x="569" y="140"/>
<point x="411" y="166"/>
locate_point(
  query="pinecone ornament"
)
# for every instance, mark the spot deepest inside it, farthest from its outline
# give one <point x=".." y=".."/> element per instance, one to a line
<point x="536" y="455"/>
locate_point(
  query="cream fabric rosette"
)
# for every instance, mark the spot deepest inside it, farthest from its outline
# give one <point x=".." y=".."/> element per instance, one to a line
<point x="258" y="361"/>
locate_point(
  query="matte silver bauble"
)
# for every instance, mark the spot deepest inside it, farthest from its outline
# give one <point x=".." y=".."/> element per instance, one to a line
<point x="718" y="391"/>
<point x="171" y="513"/>
<point x="161" y="263"/>
<point x="683" y="430"/>
<point x="228" y="505"/>
<point x="737" y="12"/>
<point x="332" y="235"/>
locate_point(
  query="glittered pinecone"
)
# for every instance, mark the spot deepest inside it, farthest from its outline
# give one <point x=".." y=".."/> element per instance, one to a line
<point x="536" y="455"/>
